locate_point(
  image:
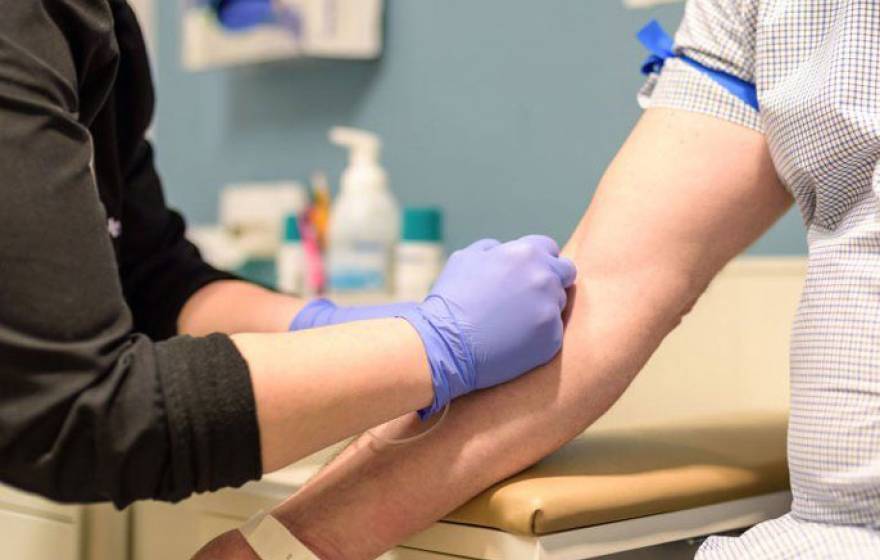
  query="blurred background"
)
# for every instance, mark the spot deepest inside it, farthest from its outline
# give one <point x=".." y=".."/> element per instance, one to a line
<point x="504" y="113"/>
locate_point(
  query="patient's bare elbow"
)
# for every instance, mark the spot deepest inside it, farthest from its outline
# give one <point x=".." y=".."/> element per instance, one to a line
<point x="675" y="293"/>
<point x="686" y="309"/>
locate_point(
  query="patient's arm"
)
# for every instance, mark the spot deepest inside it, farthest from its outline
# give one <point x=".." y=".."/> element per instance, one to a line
<point x="685" y="194"/>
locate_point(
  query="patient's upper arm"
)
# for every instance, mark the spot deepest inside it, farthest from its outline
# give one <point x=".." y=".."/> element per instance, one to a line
<point x="686" y="193"/>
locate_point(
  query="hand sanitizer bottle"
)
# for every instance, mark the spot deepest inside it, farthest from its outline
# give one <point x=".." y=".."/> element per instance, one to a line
<point x="364" y="221"/>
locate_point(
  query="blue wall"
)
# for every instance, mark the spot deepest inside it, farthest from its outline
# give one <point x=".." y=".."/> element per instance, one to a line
<point x="503" y="112"/>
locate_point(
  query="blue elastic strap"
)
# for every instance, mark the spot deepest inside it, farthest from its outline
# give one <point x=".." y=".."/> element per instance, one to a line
<point x="656" y="40"/>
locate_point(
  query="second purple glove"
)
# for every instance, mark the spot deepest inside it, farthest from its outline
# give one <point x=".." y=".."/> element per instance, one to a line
<point x="494" y="314"/>
<point x="323" y="312"/>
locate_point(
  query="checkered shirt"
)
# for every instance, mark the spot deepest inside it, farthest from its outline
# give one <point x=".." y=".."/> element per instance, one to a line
<point x="816" y="66"/>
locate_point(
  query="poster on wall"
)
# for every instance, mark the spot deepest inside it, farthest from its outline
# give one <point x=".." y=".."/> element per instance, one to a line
<point x="220" y="33"/>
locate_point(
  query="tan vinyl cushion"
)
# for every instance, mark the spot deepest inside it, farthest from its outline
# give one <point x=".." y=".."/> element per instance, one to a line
<point x="612" y="476"/>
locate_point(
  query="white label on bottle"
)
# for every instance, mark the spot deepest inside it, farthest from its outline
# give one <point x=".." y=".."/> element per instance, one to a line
<point x="416" y="266"/>
<point x="359" y="267"/>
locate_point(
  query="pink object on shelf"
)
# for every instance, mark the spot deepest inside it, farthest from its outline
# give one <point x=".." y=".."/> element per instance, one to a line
<point x="315" y="276"/>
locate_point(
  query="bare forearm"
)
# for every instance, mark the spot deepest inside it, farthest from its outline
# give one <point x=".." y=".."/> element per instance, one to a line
<point x="233" y="306"/>
<point x="663" y="222"/>
<point x="309" y="395"/>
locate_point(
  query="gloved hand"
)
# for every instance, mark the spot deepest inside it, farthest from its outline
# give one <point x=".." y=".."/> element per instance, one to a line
<point x="494" y="314"/>
<point x="323" y="312"/>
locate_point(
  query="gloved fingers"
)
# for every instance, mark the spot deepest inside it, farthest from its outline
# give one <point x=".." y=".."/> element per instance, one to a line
<point x="565" y="269"/>
<point x="563" y="300"/>
<point x="542" y="242"/>
<point x="483" y="245"/>
<point x="548" y="284"/>
<point x="563" y="273"/>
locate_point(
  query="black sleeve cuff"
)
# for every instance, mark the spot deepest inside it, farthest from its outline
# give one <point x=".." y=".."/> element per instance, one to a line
<point x="212" y="417"/>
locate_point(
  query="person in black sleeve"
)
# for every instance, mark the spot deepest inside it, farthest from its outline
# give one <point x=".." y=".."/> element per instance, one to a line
<point x="123" y="371"/>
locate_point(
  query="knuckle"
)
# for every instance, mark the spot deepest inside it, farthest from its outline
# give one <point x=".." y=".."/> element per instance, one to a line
<point x="531" y="252"/>
<point x="550" y="242"/>
<point x="522" y="252"/>
<point x="545" y="281"/>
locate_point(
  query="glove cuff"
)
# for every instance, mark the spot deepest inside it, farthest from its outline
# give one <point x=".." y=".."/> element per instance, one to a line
<point x="316" y="313"/>
<point x="452" y="365"/>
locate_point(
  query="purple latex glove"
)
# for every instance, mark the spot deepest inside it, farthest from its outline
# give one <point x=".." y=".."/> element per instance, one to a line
<point x="494" y="314"/>
<point x="323" y="312"/>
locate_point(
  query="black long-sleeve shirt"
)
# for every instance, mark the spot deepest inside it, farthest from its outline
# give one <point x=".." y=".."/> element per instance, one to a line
<point x="98" y="399"/>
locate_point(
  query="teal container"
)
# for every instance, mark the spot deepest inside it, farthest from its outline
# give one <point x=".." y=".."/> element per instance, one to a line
<point x="292" y="234"/>
<point x="422" y="224"/>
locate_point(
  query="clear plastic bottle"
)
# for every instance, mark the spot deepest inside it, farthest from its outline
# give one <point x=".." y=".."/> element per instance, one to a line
<point x="364" y="221"/>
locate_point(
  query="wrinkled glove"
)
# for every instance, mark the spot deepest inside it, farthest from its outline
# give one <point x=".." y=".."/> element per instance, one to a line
<point x="323" y="312"/>
<point x="494" y="313"/>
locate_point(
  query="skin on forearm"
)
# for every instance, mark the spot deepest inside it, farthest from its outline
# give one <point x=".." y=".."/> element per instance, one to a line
<point x="685" y="194"/>
<point x="233" y="306"/>
<point x="310" y="395"/>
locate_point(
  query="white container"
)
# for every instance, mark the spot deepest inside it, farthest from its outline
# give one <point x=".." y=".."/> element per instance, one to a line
<point x="418" y="266"/>
<point x="345" y="29"/>
<point x="254" y="213"/>
<point x="290" y="262"/>
<point x="364" y="221"/>
<point x="420" y="256"/>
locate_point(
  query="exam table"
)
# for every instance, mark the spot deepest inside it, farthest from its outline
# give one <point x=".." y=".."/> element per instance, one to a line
<point x="636" y="493"/>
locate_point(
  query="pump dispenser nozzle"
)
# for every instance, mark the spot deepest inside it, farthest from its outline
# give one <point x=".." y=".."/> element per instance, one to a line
<point x="364" y="170"/>
<point x="364" y="146"/>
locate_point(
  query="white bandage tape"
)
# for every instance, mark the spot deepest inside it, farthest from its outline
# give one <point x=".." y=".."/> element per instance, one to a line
<point x="272" y="541"/>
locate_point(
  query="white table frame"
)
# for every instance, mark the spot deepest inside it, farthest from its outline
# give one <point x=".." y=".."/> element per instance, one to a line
<point x="447" y="539"/>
